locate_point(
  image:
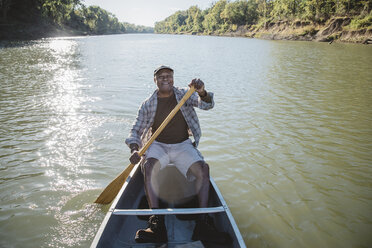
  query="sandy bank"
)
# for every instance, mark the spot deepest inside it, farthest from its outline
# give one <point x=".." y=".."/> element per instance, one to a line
<point x="333" y="30"/>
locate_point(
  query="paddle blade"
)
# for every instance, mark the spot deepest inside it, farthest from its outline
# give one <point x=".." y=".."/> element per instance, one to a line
<point x="110" y="192"/>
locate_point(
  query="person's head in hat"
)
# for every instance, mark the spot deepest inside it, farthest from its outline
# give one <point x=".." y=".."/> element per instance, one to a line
<point x="163" y="77"/>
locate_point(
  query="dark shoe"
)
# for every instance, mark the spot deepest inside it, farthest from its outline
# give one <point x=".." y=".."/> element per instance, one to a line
<point x="206" y="232"/>
<point x="156" y="231"/>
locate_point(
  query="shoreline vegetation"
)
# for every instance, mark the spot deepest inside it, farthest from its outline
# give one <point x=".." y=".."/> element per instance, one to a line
<point x="306" y="20"/>
<point x="35" y="19"/>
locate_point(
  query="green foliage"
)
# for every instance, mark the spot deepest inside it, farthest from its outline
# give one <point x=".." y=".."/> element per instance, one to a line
<point x="72" y="13"/>
<point x="361" y="22"/>
<point x="213" y="21"/>
<point x="240" y="12"/>
<point x="181" y="21"/>
<point x="194" y="19"/>
<point x="65" y="14"/>
<point x="57" y="11"/>
<point x="100" y="21"/>
<point x="224" y="15"/>
<point x="131" y="28"/>
<point x="284" y="9"/>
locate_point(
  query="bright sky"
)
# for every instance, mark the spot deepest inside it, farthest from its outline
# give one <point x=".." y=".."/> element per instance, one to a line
<point x="146" y="12"/>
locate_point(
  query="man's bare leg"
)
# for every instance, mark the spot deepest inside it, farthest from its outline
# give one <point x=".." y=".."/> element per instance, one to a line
<point x="152" y="198"/>
<point x="205" y="229"/>
<point x="200" y="170"/>
<point x="156" y="231"/>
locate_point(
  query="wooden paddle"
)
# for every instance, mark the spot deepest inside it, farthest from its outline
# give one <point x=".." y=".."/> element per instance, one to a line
<point x="110" y="192"/>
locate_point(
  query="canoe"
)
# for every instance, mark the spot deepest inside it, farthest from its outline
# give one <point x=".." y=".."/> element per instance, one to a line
<point x="129" y="212"/>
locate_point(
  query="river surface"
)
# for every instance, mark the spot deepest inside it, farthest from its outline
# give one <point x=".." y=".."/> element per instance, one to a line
<point x="289" y="141"/>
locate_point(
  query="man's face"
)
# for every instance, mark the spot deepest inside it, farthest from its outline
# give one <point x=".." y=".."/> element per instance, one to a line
<point x="164" y="80"/>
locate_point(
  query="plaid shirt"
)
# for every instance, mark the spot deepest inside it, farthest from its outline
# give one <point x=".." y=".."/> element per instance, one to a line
<point x="141" y="130"/>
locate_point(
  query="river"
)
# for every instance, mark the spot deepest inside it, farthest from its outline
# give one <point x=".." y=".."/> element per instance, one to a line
<point x="289" y="141"/>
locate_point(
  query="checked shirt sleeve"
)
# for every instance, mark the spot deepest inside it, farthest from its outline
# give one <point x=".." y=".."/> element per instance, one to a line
<point x="189" y="113"/>
<point x="139" y="125"/>
<point x="197" y="102"/>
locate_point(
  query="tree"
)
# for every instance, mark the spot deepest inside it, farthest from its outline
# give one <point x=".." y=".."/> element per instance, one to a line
<point x="213" y="21"/>
<point x="57" y="11"/>
<point x="194" y="19"/>
<point x="284" y="9"/>
<point x="240" y="12"/>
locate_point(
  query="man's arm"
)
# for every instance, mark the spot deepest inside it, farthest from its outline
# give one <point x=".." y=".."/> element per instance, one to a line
<point x="205" y="99"/>
<point x="139" y="125"/>
<point x="134" y="139"/>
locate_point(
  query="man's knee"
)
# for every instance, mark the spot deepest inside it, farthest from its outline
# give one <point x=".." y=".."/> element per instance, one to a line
<point x="205" y="169"/>
<point x="200" y="170"/>
<point x="148" y="166"/>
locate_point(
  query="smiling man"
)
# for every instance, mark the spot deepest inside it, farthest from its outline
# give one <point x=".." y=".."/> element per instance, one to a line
<point x="172" y="147"/>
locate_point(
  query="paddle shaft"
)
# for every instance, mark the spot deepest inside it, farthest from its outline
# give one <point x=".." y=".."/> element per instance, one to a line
<point x="110" y="192"/>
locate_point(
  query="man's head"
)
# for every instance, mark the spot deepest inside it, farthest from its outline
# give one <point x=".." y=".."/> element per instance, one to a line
<point x="162" y="67"/>
<point x="163" y="77"/>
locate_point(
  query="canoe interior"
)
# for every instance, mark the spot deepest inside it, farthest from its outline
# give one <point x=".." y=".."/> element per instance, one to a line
<point x="120" y="230"/>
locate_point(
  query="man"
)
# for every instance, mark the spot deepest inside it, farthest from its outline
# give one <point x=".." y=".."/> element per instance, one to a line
<point x="171" y="146"/>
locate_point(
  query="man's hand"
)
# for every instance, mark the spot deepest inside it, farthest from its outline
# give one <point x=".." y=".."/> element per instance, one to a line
<point x="199" y="86"/>
<point x="135" y="157"/>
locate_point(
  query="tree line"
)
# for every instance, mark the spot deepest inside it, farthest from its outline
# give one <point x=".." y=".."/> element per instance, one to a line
<point x="224" y="16"/>
<point x="65" y="13"/>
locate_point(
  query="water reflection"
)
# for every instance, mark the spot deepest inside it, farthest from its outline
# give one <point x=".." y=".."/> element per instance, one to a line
<point x="45" y="138"/>
<point x="69" y="144"/>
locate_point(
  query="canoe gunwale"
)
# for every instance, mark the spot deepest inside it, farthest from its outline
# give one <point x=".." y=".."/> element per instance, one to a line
<point x="169" y="211"/>
<point x="229" y="215"/>
<point x="117" y="198"/>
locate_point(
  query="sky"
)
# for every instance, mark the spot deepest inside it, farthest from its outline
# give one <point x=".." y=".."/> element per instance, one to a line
<point x="146" y="12"/>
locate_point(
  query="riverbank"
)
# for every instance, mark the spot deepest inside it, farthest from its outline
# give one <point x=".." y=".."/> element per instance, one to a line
<point x="23" y="31"/>
<point x="336" y="29"/>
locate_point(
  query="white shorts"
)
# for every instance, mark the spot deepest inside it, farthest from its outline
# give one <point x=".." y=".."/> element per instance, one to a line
<point x="181" y="155"/>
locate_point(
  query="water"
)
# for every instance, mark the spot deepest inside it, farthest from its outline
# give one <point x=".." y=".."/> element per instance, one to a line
<point x="289" y="140"/>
